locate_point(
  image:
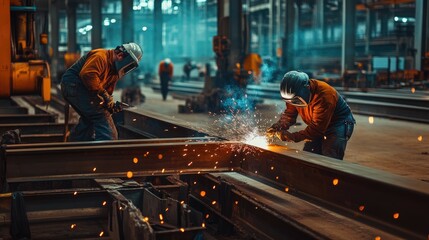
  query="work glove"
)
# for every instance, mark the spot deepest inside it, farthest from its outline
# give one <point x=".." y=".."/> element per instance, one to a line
<point x="273" y="129"/>
<point x="285" y="135"/>
<point x="106" y="100"/>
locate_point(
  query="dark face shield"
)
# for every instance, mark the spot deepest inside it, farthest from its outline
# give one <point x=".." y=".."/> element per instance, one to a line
<point x="297" y="101"/>
<point x="126" y="65"/>
<point x="129" y="68"/>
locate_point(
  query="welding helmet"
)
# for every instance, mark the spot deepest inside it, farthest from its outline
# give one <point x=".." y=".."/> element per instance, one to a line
<point x="132" y="55"/>
<point x="294" y="88"/>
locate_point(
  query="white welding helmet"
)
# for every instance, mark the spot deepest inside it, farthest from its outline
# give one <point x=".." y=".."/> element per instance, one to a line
<point x="294" y="88"/>
<point x="133" y="54"/>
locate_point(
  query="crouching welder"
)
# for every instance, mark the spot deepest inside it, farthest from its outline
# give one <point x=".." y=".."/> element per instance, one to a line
<point x="88" y="86"/>
<point x="329" y="119"/>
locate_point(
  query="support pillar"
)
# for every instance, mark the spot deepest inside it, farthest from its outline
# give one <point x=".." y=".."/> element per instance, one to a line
<point x="127" y="21"/>
<point x="5" y="48"/>
<point x="320" y="20"/>
<point x="421" y="33"/>
<point x="71" y="27"/>
<point x="54" y="38"/>
<point x="368" y="30"/>
<point x="348" y="44"/>
<point x="235" y="33"/>
<point x="96" y="24"/>
<point x="158" y="22"/>
<point x="289" y="37"/>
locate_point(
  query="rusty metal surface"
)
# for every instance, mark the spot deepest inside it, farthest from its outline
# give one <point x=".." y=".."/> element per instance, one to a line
<point x="22" y="118"/>
<point x="13" y="110"/>
<point x="368" y="195"/>
<point x="155" y="126"/>
<point x="34" y="128"/>
<point x="88" y="214"/>
<point x="60" y="161"/>
<point x="374" y="197"/>
<point x="397" y="203"/>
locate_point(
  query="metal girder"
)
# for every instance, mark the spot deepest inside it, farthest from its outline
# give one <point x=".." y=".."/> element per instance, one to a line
<point x="154" y="126"/>
<point x="390" y="110"/>
<point x="68" y="160"/>
<point x="21" y="118"/>
<point x="34" y="128"/>
<point x="13" y="110"/>
<point x="397" y="105"/>
<point x="398" y="203"/>
<point x="375" y="197"/>
<point x="268" y="213"/>
<point x="84" y="214"/>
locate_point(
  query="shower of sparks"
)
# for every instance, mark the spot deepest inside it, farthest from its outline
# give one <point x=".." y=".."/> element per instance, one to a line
<point x="240" y="120"/>
<point x="256" y="140"/>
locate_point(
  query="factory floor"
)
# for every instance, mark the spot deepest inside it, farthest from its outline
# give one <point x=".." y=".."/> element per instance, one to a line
<point x="396" y="146"/>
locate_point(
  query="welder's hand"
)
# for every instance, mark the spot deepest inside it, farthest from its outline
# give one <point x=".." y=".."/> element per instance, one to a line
<point x="106" y="100"/>
<point x="272" y="130"/>
<point x="270" y="133"/>
<point x="285" y="135"/>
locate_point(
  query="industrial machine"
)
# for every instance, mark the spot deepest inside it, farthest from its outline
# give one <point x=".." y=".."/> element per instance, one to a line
<point x="22" y="71"/>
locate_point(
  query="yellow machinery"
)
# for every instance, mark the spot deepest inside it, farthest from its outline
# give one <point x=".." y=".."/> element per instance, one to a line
<point x="21" y="70"/>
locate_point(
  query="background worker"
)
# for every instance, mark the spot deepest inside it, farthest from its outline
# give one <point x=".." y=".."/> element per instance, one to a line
<point x="165" y="73"/>
<point x="187" y="68"/>
<point x="329" y="119"/>
<point x="88" y="86"/>
<point x="252" y="63"/>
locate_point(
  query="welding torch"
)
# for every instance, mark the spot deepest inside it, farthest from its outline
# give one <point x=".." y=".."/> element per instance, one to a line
<point x="119" y="106"/>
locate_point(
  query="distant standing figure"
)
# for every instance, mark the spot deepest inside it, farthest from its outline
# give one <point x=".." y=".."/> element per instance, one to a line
<point x="165" y="73"/>
<point x="187" y="68"/>
<point x="252" y="63"/>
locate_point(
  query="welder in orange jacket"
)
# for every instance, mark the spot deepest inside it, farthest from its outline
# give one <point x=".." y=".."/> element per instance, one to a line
<point x="165" y="72"/>
<point x="88" y="87"/>
<point x="329" y="119"/>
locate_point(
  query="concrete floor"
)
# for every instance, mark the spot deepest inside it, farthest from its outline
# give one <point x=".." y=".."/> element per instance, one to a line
<point x="395" y="146"/>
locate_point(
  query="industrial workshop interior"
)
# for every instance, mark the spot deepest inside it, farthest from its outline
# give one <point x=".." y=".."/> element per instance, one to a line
<point x="214" y="119"/>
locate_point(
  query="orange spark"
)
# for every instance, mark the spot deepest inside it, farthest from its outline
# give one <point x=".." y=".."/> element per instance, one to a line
<point x="129" y="174"/>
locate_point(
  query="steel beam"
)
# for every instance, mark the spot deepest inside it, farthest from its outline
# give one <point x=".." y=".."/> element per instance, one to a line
<point x="364" y="193"/>
<point x="61" y="161"/>
<point x="372" y="196"/>
<point x="20" y="118"/>
<point x="154" y="126"/>
<point x="269" y="213"/>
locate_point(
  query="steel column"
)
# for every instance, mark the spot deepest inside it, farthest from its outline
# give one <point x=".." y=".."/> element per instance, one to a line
<point x="349" y="36"/>
<point x="421" y="34"/>
<point x="96" y="24"/>
<point x="71" y="26"/>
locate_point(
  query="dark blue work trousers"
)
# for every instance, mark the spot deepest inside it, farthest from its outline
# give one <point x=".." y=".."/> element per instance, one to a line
<point x="95" y="122"/>
<point x="334" y="143"/>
